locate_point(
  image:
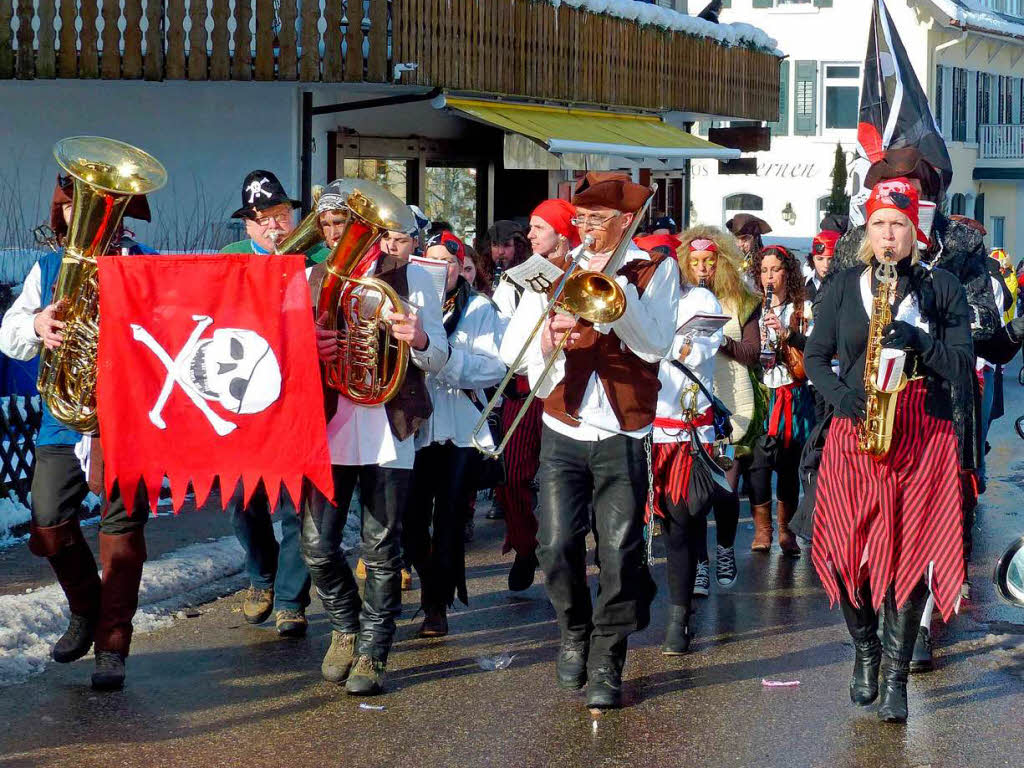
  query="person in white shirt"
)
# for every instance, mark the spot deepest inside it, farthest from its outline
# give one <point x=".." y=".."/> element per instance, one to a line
<point x="372" y="446"/>
<point x="445" y="458"/>
<point x="599" y="403"/>
<point x="552" y="235"/>
<point x="684" y="412"/>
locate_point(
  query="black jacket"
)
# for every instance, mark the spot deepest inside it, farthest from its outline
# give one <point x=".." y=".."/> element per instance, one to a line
<point x="841" y="330"/>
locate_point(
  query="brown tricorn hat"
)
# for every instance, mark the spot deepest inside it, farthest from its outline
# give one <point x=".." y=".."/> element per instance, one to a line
<point x="974" y="224"/>
<point x="747" y="224"/>
<point x="610" y="189"/>
<point x="138" y="206"/>
<point x="905" y="162"/>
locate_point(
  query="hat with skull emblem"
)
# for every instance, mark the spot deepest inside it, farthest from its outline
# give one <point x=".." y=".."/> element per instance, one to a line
<point x="262" y="190"/>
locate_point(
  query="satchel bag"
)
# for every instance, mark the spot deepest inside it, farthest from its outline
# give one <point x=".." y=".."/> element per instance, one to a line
<point x="705" y="478"/>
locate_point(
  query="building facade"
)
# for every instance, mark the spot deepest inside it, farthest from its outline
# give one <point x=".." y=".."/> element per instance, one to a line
<point x="969" y="57"/>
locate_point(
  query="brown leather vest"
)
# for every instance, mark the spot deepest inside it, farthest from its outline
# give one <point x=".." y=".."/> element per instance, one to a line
<point x="411" y="406"/>
<point x="631" y="383"/>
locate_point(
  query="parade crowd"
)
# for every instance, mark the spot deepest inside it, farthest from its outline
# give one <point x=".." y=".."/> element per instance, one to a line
<point x="734" y="369"/>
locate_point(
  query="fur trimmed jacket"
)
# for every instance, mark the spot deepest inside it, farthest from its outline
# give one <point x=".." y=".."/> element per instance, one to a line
<point x="958" y="249"/>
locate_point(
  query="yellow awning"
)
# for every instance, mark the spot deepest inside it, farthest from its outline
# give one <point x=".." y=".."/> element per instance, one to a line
<point x="635" y="139"/>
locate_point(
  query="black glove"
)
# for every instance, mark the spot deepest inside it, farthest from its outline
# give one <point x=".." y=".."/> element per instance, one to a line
<point x="1015" y="329"/>
<point x="853" y="405"/>
<point x="902" y="335"/>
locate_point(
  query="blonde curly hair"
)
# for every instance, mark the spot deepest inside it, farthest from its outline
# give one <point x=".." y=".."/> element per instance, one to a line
<point x="736" y="298"/>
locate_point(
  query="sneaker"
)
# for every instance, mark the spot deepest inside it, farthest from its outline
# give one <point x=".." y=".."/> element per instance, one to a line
<point x="725" y="566"/>
<point x="366" y="677"/>
<point x="406" y="579"/>
<point x="258" y="605"/>
<point x="291" y="623"/>
<point x="702" y="584"/>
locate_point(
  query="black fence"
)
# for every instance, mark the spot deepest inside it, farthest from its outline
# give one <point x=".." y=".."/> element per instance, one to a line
<point x="19" y="425"/>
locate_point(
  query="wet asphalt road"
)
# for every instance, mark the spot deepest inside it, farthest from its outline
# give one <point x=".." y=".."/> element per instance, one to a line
<point x="213" y="691"/>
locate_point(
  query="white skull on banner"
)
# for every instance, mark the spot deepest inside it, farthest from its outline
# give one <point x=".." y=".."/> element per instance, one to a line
<point x="237" y="368"/>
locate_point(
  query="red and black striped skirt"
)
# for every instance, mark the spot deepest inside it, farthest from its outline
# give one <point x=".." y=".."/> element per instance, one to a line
<point x="885" y="521"/>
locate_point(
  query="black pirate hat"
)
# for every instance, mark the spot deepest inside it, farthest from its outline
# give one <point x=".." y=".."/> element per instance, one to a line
<point x="261" y="190"/>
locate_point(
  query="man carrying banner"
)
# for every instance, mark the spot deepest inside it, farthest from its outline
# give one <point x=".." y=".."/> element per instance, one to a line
<point x="599" y="405"/>
<point x="101" y="608"/>
<point x="371" y="446"/>
<point x="277" y="576"/>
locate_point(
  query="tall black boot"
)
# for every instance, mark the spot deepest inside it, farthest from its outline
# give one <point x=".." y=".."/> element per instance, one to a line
<point x="678" y="633"/>
<point x="899" y="633"/>
<point x="862" y="623"/>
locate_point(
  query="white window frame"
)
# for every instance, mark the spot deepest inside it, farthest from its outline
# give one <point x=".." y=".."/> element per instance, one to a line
<point x="1001" y="229"/>
<point x="825" y="80"/>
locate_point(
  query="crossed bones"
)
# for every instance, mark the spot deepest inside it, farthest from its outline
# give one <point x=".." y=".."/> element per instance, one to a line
<point x="175" y="375"/>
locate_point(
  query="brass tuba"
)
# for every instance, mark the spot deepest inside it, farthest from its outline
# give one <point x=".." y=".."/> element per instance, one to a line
<point x="372" y="364"/>
<point x="107" y="174"/>
<point x="307" y="234"/>
<point x="874" y="434"/>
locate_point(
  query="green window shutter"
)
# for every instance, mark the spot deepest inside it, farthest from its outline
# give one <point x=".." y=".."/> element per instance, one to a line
<point x="762" y="3"/>
<point x="805" y="99"/>
<point x="822" y="3"/>
<point x="781" y="126"/>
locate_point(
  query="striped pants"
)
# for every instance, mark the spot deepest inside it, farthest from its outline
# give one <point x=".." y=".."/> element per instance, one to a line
<point x="522" y="458"/>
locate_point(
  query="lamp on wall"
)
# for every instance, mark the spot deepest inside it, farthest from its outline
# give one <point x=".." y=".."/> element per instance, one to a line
<point x="788" y="214"/>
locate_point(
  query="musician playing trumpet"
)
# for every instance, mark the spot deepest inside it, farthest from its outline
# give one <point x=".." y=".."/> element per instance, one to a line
<point x="888" y="514"/>
<point x="599" y="404"/>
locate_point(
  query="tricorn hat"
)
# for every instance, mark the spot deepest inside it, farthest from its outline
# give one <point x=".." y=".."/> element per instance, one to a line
<point x="610" y="189"/>
<point x="261" y="190"/>
<point x="137" y="208"/>
<point x="747" y="224"/>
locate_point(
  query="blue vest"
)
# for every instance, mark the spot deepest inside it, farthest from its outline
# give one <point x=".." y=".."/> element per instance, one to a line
<point x="51" y="431"/>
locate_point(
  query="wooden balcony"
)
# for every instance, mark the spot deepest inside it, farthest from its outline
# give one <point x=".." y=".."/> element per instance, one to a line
<point x="509" y="47"/>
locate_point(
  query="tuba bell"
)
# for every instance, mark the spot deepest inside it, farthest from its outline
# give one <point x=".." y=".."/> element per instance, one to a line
<point x="107" y="174"/>
<point x="306" y="235"/>
<point x="372" y="364"/>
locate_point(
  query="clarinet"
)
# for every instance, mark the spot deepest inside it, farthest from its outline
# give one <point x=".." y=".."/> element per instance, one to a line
<point x="767" y="347"/>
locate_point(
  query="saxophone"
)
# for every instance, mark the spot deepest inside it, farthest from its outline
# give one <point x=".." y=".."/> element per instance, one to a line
<point x="874" y="434"/>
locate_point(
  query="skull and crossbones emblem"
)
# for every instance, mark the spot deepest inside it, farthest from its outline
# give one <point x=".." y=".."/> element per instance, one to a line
<point x="256" y="188"/>
<point x="235" y="368"/>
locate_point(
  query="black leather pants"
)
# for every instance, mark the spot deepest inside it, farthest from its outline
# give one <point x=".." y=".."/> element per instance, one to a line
<point x="383" y="493"/>
<point x="612" y="475"/>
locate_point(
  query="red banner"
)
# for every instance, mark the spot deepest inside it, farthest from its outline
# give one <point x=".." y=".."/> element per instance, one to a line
<point x="208" y="368"/>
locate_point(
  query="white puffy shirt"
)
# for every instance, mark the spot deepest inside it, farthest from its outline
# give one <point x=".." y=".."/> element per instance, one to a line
<point x="700" y="360"/>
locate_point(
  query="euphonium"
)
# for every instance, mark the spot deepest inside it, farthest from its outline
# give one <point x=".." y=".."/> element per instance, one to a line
<point x="307" y="235"/>
<point x="372" y="364"/>
<point x="107" y="174"/>
<point x="874" y="434"/>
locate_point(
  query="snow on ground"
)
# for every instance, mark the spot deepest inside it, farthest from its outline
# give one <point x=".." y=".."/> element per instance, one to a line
<point x="30" y="623"/>
<point x="12" y="514"/>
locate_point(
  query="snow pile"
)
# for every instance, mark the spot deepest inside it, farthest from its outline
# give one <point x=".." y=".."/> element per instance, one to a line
<point x="30" y="623"/>
<point x="12" y="513"/>
<point x="971" y="13"/>
<point x="656" y="16"/>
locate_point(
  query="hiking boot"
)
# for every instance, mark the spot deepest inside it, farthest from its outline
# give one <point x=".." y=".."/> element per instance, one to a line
<point x="725" y="566"/>
<point x="604" y="687"/>
<point x="702" y="583"/>
<point x="291" y="623"/>
<point x="338" y="659"/>
<point x="109" y="673"/>
<point x="522" y="573"/>
<point x="571" y="665"/>
<point x="76" y="640"/>
<point x="406" y="579"/>
<point x="435" y="622"/>
<point x="258" y="605"/>
<point x="366" y="677"/>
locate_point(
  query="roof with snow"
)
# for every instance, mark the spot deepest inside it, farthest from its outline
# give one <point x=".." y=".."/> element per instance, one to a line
<point x="656" y="16"/>
<point x="972" y="16"/>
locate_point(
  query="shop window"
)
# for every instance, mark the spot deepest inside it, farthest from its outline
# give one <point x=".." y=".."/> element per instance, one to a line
<point x="744" y="202"/>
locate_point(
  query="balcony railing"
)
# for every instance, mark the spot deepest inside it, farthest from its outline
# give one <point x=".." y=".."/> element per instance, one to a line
<point x="510" y="47"/>
<point x="1001" y="142"/>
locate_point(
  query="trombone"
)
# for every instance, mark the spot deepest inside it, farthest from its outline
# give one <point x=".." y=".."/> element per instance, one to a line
<point x="585" y="295"/>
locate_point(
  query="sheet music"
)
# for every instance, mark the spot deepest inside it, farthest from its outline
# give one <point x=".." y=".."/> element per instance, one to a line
<point x="536" y="274"/>
<point x="438" y="271"/>
<point x="703" y="324"/>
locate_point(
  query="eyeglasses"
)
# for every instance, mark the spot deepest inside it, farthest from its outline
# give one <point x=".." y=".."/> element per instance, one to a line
<point x="281" y="218"/>
<point x="592" y="222"/>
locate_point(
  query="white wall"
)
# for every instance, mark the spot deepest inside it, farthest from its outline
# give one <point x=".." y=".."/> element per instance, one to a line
<point x="208" y="135"/>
